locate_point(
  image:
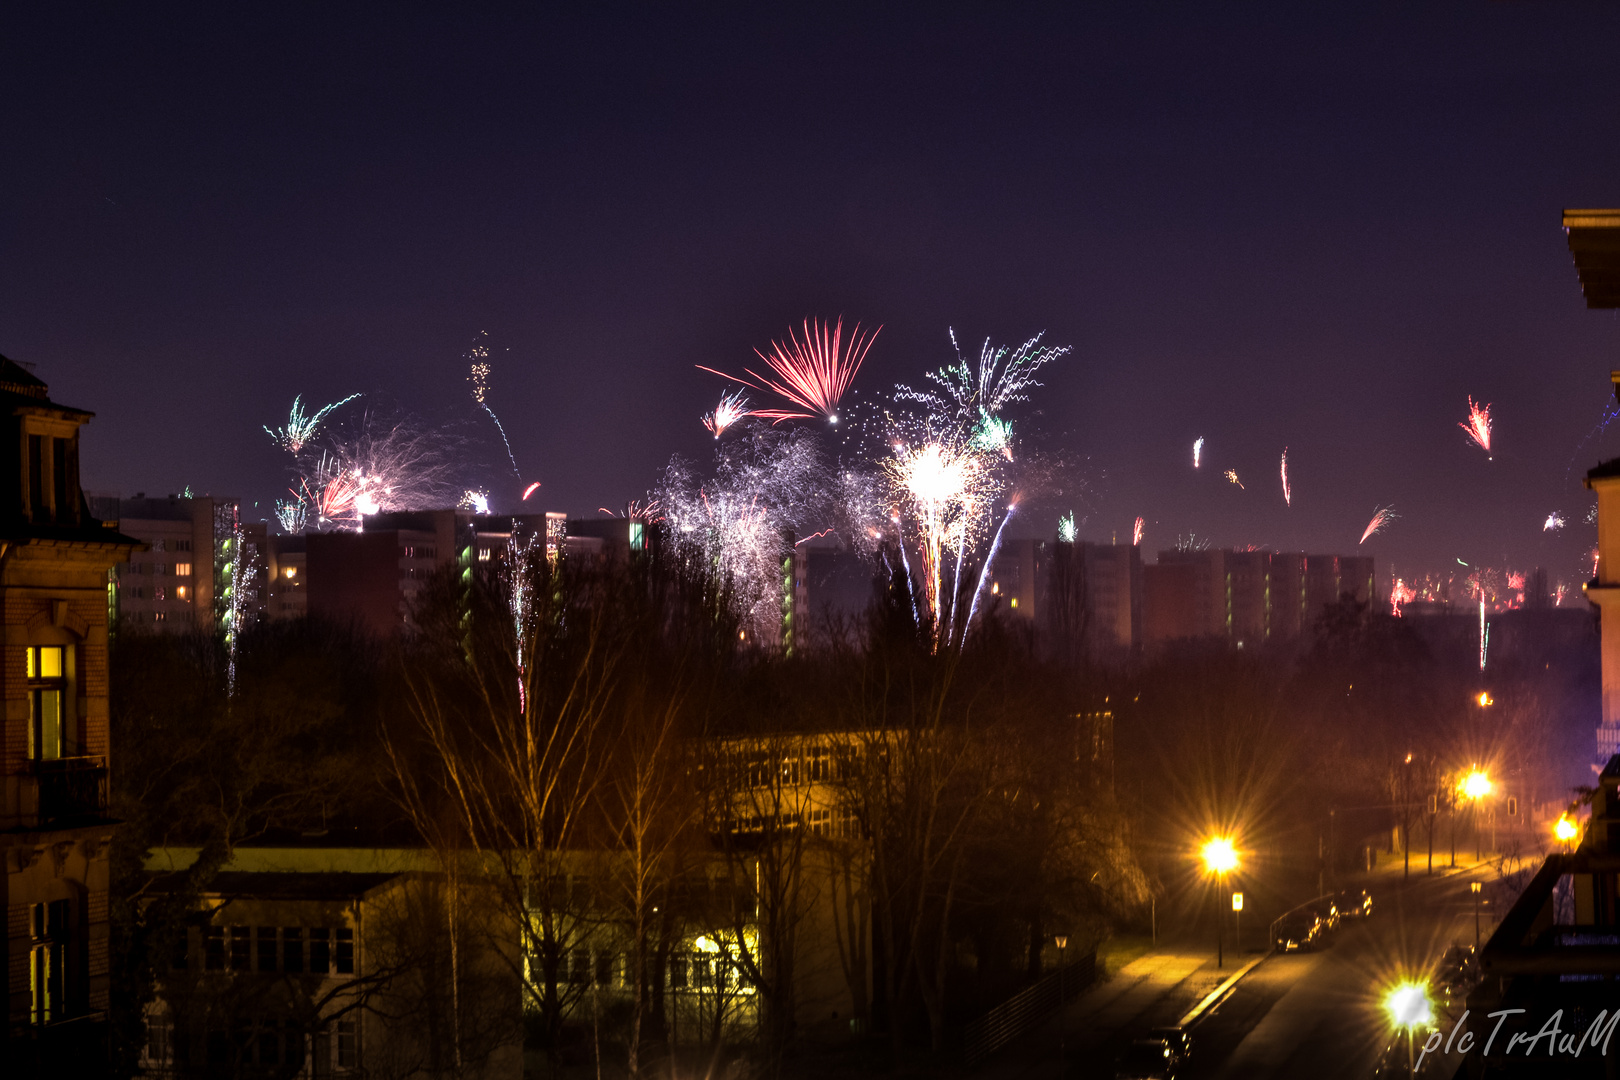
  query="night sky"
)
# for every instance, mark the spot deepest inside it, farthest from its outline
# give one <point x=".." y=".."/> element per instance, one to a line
<point x="1266" y="226"/>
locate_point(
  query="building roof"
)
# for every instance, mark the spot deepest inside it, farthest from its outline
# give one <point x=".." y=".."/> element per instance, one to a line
<point x="256" y="885"/>
<point x="1594" y="240"/>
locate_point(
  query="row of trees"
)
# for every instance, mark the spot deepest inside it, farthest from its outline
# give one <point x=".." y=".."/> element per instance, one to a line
<point x="604" y="773"/>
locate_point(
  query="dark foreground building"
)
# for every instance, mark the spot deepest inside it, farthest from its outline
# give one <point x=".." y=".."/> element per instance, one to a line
<point x="54" y="829"/>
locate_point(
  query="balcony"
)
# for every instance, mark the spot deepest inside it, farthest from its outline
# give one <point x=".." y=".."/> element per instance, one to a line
<point x="72" y="790"/>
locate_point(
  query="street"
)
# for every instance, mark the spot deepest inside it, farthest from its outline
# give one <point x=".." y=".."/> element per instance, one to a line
<point x="1315" y="1014"/>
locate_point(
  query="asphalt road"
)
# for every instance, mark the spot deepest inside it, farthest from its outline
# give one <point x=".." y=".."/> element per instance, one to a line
<point x="1320" y="1014"/>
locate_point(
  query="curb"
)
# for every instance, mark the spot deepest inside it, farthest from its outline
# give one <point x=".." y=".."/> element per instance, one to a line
<point x="1215" y="996"/>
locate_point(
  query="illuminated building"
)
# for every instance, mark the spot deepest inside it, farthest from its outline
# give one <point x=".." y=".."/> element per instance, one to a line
<point x="178" y="581"/>
<point x="54" y="827"/>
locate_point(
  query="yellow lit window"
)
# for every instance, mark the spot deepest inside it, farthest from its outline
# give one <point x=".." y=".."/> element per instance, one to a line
<point x="291" y="571"/>
<point x="44" y="661"/>
<point x="180" y="592"/>
<point x="182" y="569"/>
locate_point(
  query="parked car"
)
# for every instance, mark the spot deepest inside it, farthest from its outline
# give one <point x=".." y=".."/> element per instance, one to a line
<point x="1147" y="1059"/>
<point x="1298" y="931"/>
<point x="1354" y="904"/>
<point x="1179" y="1039"/>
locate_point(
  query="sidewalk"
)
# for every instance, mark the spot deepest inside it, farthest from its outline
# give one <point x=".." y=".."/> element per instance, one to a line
<point x="1154" y="990"/>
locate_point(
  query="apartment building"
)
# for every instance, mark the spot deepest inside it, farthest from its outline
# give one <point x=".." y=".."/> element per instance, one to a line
<point x="54" y="828"/>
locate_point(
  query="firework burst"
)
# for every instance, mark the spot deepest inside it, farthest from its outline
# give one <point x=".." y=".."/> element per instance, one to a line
<point x="1198" y="451"/>
<point x="1400" y="593"/>
<point x="380" y="466"/>
<point x="301" y="428"/>
<point x="978" y="392"/>
<point x="1288" y="493"/>
<point x="1554" y="522"/>
<point x="812" y="374"/>
<point x="1066" y="528"/>
<point x="1382" y="518"/>
<point x="1232" y="478"/>
<point x="1136" y="534"/>
<point x="732" y="408"/>
<point x="478" y="376"/>
<point x="1478" y="425"/>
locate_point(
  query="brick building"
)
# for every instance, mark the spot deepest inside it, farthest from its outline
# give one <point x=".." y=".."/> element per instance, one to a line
<point x="55" y="560"/>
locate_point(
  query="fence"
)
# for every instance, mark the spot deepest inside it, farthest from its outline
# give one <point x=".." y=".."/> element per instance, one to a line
<point x="1026" y="1009"/>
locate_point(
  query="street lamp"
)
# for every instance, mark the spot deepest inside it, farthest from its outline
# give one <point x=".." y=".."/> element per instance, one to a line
<point x="1409" y="1007"/>
<point x="1476" y="785"/>
<point x="1475" y="888"/>
<point x="1237" y="913"/>
<point x="1566" y="830"/>
<point x="1220" y="858"/>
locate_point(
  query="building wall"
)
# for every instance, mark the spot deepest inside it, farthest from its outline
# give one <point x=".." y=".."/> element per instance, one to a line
<point x="54" y="829"/>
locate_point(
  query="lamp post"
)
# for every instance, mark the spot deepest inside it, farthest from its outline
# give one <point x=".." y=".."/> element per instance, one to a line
<point x="1220" y="858"/>
<point x="1474" y="787"/>
<point x="1237" y="909"/>
<point x="1408" y="1007"/>
<point x="1062" y="942"/>
<point x="1474" y="887"/>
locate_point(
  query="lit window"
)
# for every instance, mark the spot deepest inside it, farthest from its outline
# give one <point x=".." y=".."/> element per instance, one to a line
<point x="1015" y="601"/>
<point x="48" y="931"/>
<point x="47" y="689"/>
<point x="483" y="554"/>
<point x="182" y="569"/>
<point x="180" y="592"/>
<point x="291" y="572"/>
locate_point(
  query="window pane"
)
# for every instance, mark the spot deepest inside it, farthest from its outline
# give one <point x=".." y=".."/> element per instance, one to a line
<point x="292" y="949"/>
<point x="320" y="951"/>
<point x="29" y="663"/>
<point x="240" y="946"/>
<point x="50" y="662"/>
<point x="49" y="723"/>
<point x="267" y="948"/>
<point x="343" y="958"/>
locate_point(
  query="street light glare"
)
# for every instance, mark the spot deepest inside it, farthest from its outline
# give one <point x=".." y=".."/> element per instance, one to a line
<point x="1220" y="856"/>
<point x="1476" y="785"/>
<point x="1408" y="1005"/>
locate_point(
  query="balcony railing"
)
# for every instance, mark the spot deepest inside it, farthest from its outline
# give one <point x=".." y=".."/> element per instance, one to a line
<point x="71" y="790"/>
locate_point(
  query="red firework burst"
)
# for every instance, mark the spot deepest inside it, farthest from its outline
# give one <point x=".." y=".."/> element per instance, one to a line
<point x="813" y="374"/>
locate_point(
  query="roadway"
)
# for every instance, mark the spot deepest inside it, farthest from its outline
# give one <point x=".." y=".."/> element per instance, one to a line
<point x="1320" y="1014"/>
<point x="1316" y="1014"/>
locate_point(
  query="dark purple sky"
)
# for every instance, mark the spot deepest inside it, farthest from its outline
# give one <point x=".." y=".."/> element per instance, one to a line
<point x="1267" y="227"/>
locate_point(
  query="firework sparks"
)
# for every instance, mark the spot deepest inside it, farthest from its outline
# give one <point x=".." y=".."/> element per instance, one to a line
<point x="396" y="466"/>
<point x="300" y="429"/>
<point x="1478" y="425"/>
<point x="1400" y="593"/>
<point x="980" y="392"/>
<point x="530" y="490"/>
<point x="1232" y="478"/>
<point x="994" y="435"/>
<point x="732" y="408"/>
<point x="1381" y="519"/>
<point x="1288" y="494"/>
<point x="479" y="377"/>
<point x="476" y="501"/>
<point x="1066" y="528"/>
<point x="1136" y="534"/>
<point x="813" y="374"/>
<point x="1198" y="451"/>
<point x="1554" y="522"/>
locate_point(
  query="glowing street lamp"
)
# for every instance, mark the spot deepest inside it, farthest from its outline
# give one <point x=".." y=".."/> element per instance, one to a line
<point x="1474" y="786"/>
<point x="1409" y="1007"/>
<point x="1220" y="858"/>
<point x="1566" y="830"/>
